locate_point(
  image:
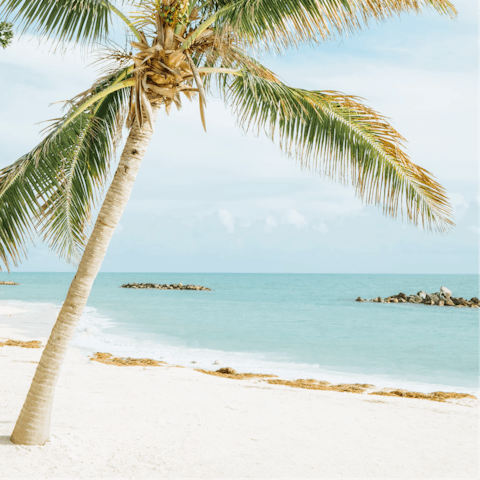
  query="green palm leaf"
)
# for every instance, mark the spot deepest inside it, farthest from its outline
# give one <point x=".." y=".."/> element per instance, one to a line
<point x="53" y="188"/>
<point x="282" y="24"/>
<point x="83" y="21"/>
<point x="335" y="135"/>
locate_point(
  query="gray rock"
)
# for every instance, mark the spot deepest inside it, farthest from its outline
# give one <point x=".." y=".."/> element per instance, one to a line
<point x="422" y="294"/>
<point x="359" y="299"/>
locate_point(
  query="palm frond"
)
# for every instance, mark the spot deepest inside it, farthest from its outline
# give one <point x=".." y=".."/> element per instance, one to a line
<point x="83" y="21"/>
<point x="281" y="24"/>
<point x="52" y="189"/>
<point x="336" y="135"/>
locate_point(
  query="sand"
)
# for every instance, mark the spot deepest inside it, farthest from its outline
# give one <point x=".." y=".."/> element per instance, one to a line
<point x="8" y="310"/>
<point x="164" y="422"/>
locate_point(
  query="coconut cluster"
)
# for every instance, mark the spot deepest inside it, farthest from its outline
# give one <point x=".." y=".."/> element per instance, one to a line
<point x="175" y="14"/>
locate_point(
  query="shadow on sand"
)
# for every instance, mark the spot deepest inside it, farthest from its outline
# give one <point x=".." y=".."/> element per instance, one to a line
<point x="5" y="440"/>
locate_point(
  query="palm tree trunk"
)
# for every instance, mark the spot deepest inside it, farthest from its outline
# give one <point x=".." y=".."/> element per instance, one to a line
<point x="33" y="424"/>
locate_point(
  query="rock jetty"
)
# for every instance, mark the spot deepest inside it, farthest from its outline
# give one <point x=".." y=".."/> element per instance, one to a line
<point x="172" y="286"/>
<point x="9" y="283"/>
<point x="443" y="298"/>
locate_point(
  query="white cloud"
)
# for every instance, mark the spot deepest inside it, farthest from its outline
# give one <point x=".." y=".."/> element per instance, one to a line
<point x="474" y="229"/>
<point x="459" y="205"/>
<point x="321" y="227"/>
<point x="458" y="201"/>
<point x="270" y="224"/>
<point x="226" y="219"/>
<point x="296" y="219"/>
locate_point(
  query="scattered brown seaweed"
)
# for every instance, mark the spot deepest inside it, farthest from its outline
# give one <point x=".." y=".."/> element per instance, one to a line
<point x="312" y="384"/>
<point x="309" y="383"/>
<point x="21" y="343"/>
<point x="226" y="373"/>
<point x="434" y="396"/>
<point x="109" y="359"/>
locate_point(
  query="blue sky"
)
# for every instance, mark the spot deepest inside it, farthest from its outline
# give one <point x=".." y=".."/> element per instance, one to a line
<point x="226" y="201"/>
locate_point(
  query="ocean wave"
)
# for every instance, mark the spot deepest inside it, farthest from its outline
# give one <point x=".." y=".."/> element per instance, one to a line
<point x="99" y="333"/>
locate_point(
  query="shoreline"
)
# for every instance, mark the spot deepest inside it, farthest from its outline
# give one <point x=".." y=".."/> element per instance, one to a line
<point x="179" y="423"/>
<point x="227" y="372"/>
<point x="43" y="322"/>
<point x="310" y="384"/>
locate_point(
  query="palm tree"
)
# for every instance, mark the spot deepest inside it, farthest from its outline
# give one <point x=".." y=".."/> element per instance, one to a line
<point x="188" y="49"/>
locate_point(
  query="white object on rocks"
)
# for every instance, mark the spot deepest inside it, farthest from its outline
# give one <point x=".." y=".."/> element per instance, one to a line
<point x="422" y="295"/>
<point x="446" y="292"/>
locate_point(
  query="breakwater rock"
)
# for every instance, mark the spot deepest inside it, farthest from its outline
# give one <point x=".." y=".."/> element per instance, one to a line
<point x="173" y="286"/>
<point x="443" y="298"/>
<point x="9" y="283"/>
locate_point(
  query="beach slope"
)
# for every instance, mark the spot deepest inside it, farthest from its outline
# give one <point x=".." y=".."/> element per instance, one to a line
<point x="169" y="422"/>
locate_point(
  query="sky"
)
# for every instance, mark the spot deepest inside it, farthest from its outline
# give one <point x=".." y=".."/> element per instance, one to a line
<point x="230" y="201"/>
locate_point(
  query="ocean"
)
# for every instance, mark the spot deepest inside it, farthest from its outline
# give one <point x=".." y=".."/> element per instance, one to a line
<point x="291" y="325"/>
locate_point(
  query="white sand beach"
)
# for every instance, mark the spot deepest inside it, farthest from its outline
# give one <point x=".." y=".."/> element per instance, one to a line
<point x="169" y="422"/>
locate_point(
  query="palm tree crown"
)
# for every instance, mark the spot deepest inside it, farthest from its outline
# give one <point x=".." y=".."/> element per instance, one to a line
<point x="183" y="48"/>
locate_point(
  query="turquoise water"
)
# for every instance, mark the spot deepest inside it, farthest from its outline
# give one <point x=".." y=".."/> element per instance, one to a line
<point x="294" y="325"/>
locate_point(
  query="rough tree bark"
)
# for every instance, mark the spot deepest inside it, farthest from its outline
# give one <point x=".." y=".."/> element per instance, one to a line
<point x="33" y="424"/>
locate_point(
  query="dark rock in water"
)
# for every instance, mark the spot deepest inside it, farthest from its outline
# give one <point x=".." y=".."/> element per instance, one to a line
<point x="165" y="286"/>
<point x="9" y="283"/>
<point x="441" y="299"/>
<point x="414" y="299"/>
